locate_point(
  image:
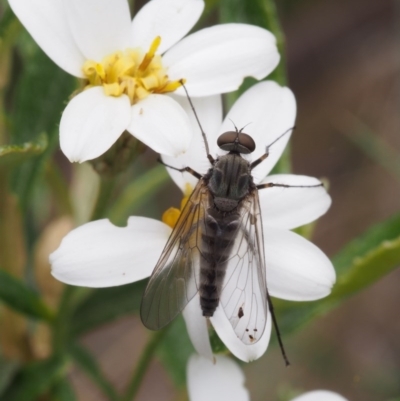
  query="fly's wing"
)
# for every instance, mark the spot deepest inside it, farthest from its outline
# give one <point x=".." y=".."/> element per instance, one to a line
<point x="244" y="292"/>
<point x="175" y="279"/>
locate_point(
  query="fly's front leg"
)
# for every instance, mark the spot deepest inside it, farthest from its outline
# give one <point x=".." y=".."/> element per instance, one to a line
<point x="272" y="184"/>
<point x="182" y="170"/>
<point x="266" y="154"/>
<point x="209" y="157"/>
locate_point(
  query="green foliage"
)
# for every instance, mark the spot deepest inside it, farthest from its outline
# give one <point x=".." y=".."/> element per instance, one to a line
<point x="35" y="379"/>
<point x="361" y="263"/>
<point x="175" y="350"/>
<point x="21" y="298"/>
<point x="62" y="391"/>
<point x="8" y="370"/>
<point x="107" y="304"/>
<point x="137" y="194"/>
<point x="41" y="89"/>
<point x="14" y="155"/>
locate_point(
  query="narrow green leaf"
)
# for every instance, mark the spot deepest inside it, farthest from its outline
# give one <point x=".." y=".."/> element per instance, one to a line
<point x="90" y="366"/>
<point x="8" y="370"/>
<point x="175" y="350"/>
<point x="387" y="230"/>
<point x="18" y="296"/>
<point x="138" y="193"/>
<point x="13" y="155"/>
<point x="361" y="263"/>
<point x="106" y="304"/>
<point x="35" y="379"/>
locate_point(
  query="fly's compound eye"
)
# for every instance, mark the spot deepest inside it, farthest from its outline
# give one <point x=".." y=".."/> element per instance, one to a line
<point x="236" y="141"/>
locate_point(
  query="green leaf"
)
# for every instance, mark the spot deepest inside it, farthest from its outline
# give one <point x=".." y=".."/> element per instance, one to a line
<point x="35" y="379"/>
<point x="36" y="103"/>
<point x="13" y="155"/>
<point x="175" y="350"/>
<point x="63" y="391"/>
<point x="138" y="193"/>
<point x="90" y="366"/>
<point x="368" y="268"/>
<point x="106" y="304"/>
<point x="387" y="230"/>
<point x="361" y="263"/>
<point x="8" y="370"/>
<point x="18" y="296"/>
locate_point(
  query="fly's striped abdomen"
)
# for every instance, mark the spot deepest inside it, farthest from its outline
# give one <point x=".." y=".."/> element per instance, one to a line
<point x="217" y="240"/>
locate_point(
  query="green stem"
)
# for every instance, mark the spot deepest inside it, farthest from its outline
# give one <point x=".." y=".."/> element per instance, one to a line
<point x="103" y="198"/>
<point x="274" y="25"/>
<point x="143" y="364"/>
<point x="61" y="322"/>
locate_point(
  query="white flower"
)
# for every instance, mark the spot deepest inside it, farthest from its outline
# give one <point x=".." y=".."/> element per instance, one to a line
<point x="99" y="254"/>
<point x="129" y="65"/>
<point x="224" y="380"/>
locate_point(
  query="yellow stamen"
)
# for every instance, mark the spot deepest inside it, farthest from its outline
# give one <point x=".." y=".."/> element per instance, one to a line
<point x="171" y="216"/>
<point x="150" y="54"/>
<point x="131" y="72"/>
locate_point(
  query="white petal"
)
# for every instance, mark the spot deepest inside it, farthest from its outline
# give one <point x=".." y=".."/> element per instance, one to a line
<point x="99" y="254"/>
<point x="209" y="111"/>
<point x="170" y="19"/>
<point x="100" y="27"/>
<point x="320" y="395"/>
<point x="91" y="123"/>
<point x="196" y="325"/>
<point x="45" y="20"/>
<point x="267" y="110"/>
<point x="161" y="123"/>
<point x="217" y="59"/>
<point x="297" y="270"/>
<point x="223" y="380"/>
<point x="246" y="353"/>
<point x="292" y="207"/>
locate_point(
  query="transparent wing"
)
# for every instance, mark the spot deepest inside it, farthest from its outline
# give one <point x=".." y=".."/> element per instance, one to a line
<point x="244" y="292"/>
<point x="175" y="279"/>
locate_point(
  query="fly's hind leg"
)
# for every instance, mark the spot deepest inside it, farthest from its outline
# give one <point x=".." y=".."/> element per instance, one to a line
<point x="272" y="184"/>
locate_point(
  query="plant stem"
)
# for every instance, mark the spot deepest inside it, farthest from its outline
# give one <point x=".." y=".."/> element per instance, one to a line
<point x="61" y="322"/>
<point x="273" y="23"/>
<point x="143" y="364"/>
<point x="103" y="198"/>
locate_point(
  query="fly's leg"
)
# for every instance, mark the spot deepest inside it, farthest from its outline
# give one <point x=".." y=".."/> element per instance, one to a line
<point x="209" y="157"/>
<point x="182" y="170"/>
<point x="266" y="154"/>
<point x="271" y="185"/>
<point x="278" y="333"/>
<point x="270" y="307"/>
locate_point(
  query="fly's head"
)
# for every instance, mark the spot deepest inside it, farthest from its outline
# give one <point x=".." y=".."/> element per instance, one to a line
<point x="236" y="142"/>
<point x="230" y="177"/>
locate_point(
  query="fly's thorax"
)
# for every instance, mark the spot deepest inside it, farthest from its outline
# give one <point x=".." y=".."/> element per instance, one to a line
<point x="229" y="181"/>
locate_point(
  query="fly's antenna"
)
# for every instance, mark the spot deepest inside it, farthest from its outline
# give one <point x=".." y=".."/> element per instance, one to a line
<point x="241" y="129"/>
<point x="182" y="82"/>
<point x="234" y="125"/>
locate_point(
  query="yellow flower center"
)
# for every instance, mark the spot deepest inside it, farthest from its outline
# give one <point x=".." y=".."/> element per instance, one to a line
<point x="131" y="72"/>
<point x="171" y="215"/>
